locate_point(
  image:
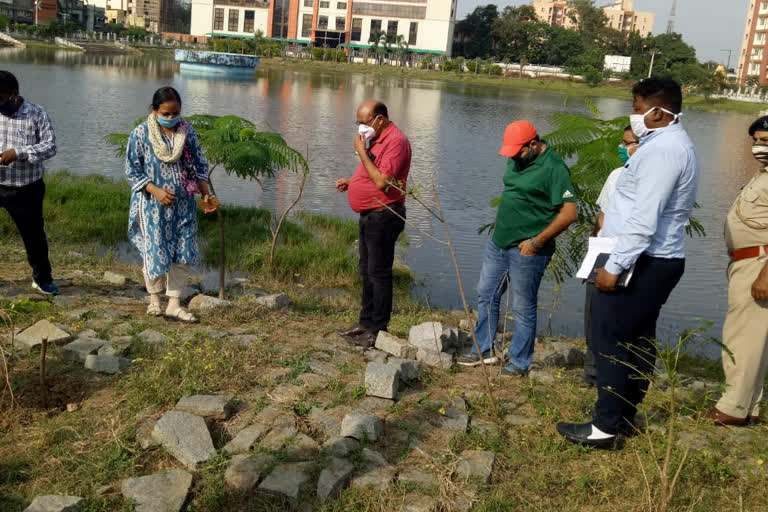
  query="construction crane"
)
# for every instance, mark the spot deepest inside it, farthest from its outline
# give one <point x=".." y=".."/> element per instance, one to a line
<point x="671" y="22"/>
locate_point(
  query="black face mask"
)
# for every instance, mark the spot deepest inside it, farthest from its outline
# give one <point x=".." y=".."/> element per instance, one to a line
<point x="11" y="105"/>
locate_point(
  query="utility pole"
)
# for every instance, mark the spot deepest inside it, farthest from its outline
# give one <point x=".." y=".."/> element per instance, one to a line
<point x="653" y="57"/>
<point x="36" y="6"/>
<point x="728" y="67"/>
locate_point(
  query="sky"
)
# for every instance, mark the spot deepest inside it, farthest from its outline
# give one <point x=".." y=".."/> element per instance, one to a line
<point x="708" y="25"/>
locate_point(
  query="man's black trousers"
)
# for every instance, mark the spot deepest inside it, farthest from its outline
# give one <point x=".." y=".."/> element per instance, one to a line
<point x="379" y="230"/>
<point x="25" y="206"/>
<point x="623" y="331"/>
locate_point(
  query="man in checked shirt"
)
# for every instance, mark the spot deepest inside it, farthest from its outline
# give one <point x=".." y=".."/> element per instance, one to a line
<point x="26" y="141"/>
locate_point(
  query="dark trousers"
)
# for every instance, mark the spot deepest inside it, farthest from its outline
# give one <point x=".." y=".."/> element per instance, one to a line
<point x="623" y="329"/>
<point x="379" y="230"/>
<point x="590" y="365"/>
<point x="25" y="206"/>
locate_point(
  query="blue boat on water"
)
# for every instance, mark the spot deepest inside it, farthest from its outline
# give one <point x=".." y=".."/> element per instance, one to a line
<point x="216" y="63"/>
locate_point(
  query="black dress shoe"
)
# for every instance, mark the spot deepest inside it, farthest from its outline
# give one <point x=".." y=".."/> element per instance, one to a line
<point x="580" y="432"/>
<point x="356" y="330"/>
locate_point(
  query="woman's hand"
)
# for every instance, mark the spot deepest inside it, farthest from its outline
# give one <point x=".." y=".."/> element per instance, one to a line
<point x="164" y="197"/>
<point x="210" y="209"/>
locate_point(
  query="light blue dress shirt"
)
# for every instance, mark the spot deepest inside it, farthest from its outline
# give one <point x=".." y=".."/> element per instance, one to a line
<point x="653" y="200"/>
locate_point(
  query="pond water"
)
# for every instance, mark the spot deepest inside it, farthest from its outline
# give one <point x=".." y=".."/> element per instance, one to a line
<point x="455" y="131"/>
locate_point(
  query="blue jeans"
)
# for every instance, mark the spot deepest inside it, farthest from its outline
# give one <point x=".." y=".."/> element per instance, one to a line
<point x="503" y="268"/>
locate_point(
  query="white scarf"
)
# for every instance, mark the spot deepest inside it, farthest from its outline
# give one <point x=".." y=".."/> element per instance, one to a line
<point x="161" y="150"/>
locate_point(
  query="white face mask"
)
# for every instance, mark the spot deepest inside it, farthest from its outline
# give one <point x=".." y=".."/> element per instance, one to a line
<point x="638" y="122"/>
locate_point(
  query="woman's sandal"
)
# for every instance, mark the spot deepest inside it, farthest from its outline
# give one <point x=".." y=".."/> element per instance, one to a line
<point x="154" y="310"/>
<point x="182" y="315"/>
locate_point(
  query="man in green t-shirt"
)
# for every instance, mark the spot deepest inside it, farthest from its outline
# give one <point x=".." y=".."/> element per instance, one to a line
<point x="538" y="203"/>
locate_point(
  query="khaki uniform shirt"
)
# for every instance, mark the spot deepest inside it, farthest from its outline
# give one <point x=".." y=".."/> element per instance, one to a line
<point x="747" y="222"/>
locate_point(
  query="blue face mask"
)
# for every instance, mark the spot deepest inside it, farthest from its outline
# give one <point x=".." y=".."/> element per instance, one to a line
<point x="624" y="154"/>
<point x="168" y="123"/>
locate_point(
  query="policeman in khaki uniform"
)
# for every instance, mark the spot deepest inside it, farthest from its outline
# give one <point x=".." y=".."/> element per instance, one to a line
<point x="745" y="332"/>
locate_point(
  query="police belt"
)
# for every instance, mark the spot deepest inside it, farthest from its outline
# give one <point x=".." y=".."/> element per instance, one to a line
<point x="748" y="252"/>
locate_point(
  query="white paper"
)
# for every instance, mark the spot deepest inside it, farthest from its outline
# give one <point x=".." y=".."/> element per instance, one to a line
<point x="597" y="246"/>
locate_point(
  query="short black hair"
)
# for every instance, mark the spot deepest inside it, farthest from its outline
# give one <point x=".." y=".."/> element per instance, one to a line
<point x="8" y="83"/>
<point x="628" y="128"/>
<point x="380" y="109"/>
<point x="664" y="90"/>
<point x="761" y="125"/>
<point x="163" y="95"/>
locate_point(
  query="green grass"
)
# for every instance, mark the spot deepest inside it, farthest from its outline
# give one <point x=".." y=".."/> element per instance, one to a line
<point x="619" y="90"/>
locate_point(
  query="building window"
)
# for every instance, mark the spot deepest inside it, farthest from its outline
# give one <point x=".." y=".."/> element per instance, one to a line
<point x="357" y="29"/>
<point x="280" y="15"/>
<point x="391" y="30"/>
<point x="234" y="19"/>
<point x="325" y="5"/>
<point x="342" y="6"/>
<point x="250" y="16"/>
<point x="375" y="26"/>
<point x="341" y="21"/>
<point x="306" y="26"/>
<point x="218" y="19"/>
<point x="413" y="32"/>
<point x="322" y="22"/>
<point x="309" y="3"/>
<point x="390" y="11"/>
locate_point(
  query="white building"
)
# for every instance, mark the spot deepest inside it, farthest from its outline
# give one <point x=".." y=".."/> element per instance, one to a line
<point x="424" y="26"/>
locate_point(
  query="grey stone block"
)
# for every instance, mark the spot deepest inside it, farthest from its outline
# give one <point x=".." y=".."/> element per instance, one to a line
<point x="409" y="369"/>
<point x="106" y="364"/>
<point x="246" y="438"/>
<point x="114" y="278"/>
<point x="454" y="419"/>
<point x="55" y="503"/>
<point x="161" y="492"/>
<point x="382" y="380"/>
<point x="32" y="337"/>
<point x="322" y="368"/>
<point x="428" y="335"/>
<point x="360" y="425"/>
<point x="436" y="359"/>
<point x="215" y="407"/>
<point x="340" y="446"/>
<point x="245" y="471"/>
<point x="333" y="479"/>
<point x="286" y="480"/>
<point x="394" y="346"/>
<point x="378" y="478"/>
<point x="152" y="337"/>
<point x="184" y="436"/>
<point x="207" y="303"/>
<point x="279" y="300"/>
<point x="79" y="349"/>
<point x="476" y="465"/>
<point x="415" y="477"/>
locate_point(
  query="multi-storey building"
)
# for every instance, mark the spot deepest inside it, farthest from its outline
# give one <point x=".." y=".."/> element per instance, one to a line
<point x="753" y="60"/>
<point x="620" y="13"/>
<point x="421" y="25"/>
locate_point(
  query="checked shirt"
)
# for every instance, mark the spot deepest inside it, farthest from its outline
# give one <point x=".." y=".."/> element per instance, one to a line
<point x="29" y="131"/>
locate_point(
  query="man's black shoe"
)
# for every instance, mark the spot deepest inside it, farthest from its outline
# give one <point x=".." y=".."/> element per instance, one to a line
<point x="583" y="433"/>
<point x="365" y="340"/>
<point x="356" y="330"/>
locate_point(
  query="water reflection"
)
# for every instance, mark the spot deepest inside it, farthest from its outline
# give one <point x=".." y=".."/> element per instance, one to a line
<point x="455" y="130"/>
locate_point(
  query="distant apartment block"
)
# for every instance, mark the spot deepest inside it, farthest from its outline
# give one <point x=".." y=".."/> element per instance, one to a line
<point x="753" y="60"/>
<point x="620" y="13"/>
<point x="423" y="25"/>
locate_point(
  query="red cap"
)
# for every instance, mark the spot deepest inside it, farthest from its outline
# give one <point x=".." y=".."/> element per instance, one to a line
<point x="517" y="135"/>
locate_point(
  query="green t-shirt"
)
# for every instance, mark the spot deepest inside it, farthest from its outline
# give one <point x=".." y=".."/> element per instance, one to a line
<point x="531" y="200"/>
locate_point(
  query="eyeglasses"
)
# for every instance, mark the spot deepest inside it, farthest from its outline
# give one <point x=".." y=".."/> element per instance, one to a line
<point x="367" y="123"/>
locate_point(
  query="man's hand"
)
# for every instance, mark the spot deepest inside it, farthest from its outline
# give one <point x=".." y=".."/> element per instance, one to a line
<point x="760" y="287"/>
<point x="526" y="248"/>
<point x="8" y="156"/>
<point x="360" y="148"/>
<point x="342" y="184"/>
<point x="605" y="282"/>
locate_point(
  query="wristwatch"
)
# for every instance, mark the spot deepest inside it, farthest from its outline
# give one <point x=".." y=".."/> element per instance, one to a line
<point x="536" y="247"/>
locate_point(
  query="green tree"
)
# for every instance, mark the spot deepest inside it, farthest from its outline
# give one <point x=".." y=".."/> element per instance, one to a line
<point x="234" y="145"/>
<point x="560" y="46"/>
<point x="518" y="39"/>
<point x="475" y="30"/>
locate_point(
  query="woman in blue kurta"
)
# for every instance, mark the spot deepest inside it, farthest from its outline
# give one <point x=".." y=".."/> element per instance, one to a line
<point x="166" y="168"/>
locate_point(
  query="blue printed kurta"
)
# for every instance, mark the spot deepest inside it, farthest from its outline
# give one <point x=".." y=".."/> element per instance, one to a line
<point x="163" y="235"/>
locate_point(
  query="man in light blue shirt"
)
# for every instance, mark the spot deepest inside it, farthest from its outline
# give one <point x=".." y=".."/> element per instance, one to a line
<point x="647" y="215"/>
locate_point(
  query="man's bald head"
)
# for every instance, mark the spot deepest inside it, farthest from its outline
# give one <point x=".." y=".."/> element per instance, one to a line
<point x="374" y="114"/>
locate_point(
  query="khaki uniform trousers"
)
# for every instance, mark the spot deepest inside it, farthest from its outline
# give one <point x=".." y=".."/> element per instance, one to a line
<point x="174" y="282"/>
<point x="745" y="334"/>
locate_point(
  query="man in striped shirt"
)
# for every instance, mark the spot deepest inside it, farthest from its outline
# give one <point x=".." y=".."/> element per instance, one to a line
<point x="26" y="141"/>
